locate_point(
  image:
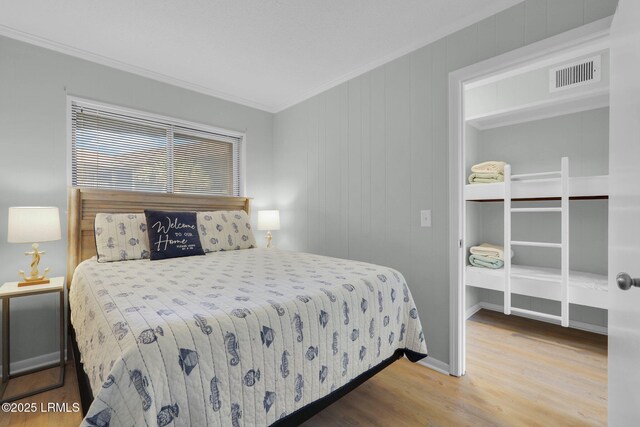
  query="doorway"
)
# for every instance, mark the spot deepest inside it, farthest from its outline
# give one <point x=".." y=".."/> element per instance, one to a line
<point x="510" y="205"/>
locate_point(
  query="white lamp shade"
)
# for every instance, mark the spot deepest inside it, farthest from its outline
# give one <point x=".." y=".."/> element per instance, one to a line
<point x="33" y="224"/>
<point x="269" y="220"/>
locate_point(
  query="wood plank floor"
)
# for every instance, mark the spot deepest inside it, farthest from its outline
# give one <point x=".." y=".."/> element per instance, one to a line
<point x="68" y="393"/>
<point x="519" y="372"/>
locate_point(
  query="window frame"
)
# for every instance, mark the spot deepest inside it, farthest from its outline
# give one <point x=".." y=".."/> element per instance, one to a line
<point x="241" y="136"/>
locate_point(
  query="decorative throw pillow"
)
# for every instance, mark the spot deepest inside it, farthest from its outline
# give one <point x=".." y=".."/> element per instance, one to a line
<point x="173" y="234"/>
<point x="121" y="237"/>
<point x="225" y="231"/>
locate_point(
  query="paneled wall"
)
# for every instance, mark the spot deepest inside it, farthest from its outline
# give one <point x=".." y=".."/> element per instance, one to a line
<point x="355" y="165"/>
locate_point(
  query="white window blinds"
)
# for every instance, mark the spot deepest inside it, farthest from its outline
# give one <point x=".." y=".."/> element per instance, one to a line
<point x="122" y="151"/>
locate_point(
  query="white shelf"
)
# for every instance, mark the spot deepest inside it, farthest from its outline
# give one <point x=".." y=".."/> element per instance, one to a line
<point x="574" y="102"/>
<point x="583" y="186"/>
<point x="584" y="288"/>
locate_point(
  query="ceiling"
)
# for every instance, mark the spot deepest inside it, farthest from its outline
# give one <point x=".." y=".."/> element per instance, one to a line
<point x="268" y="54"/>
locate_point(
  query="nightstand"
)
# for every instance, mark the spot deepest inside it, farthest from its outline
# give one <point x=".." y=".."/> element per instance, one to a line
<point x="7" y="292"/>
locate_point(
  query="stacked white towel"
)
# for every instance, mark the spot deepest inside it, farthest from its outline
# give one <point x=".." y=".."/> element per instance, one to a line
<point x="488" y="250"/>
<point x="492" y="166"/>
<point x="487" y="255"/>
<point x="487" y="172"/>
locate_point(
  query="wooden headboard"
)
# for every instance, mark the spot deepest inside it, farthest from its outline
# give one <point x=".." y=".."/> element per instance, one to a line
<point x="85" y="203"/>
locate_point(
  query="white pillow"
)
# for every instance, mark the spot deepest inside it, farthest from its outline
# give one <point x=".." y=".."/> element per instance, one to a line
<point x="121" y="237"/>
<point x="225" y="231"/>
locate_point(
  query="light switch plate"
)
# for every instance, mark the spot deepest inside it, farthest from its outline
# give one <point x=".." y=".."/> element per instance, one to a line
<point x="425" y="218"/>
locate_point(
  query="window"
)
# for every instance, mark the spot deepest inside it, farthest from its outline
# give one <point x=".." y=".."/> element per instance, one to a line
<point x="121" y="150"/>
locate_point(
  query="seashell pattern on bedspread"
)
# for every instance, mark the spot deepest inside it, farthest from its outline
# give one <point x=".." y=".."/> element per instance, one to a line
<point x="232" y="338"/>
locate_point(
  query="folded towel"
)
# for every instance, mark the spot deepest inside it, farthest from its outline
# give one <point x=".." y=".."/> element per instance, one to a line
<point x="488" y="250"/>
<point x="488" y="167"/>
<point x="485" y="178"/>
<point x="485" y="262"/>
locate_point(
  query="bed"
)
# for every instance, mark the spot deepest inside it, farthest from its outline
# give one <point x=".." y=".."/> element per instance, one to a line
<point x="244" y="337"/>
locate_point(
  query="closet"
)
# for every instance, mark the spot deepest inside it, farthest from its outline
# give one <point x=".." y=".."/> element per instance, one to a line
<point x="546" y="204"/>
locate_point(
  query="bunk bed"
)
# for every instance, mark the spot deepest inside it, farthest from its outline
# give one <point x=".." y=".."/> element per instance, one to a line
<point x="568" y="287"/>
<point x="512" y="109"/>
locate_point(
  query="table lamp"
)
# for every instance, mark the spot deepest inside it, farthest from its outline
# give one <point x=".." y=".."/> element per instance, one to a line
<point x="29" y="225"/>
<point x="268" y="221"/>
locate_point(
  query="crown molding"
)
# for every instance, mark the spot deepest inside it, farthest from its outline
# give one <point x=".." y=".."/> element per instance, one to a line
<point x="123" y="66"/>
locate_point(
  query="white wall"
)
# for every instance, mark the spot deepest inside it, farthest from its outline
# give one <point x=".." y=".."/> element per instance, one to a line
<point x="355" y="164"/>
<point x="527" y="88"/>
<point x="34" y="83"/>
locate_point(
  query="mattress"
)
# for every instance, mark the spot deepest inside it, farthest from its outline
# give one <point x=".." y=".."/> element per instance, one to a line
<point x="233" y="338"/>
<point x="577" y="279"/>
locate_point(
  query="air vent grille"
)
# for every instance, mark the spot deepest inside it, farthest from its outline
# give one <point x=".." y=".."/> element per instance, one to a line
<point x="579" y="73"/>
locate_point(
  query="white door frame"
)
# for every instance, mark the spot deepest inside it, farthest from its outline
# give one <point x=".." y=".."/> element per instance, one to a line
<point x="593" y="36"/>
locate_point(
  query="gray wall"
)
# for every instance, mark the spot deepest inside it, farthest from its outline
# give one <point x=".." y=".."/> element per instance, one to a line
<point x="355" y="164"/>
<point x="588" y="222"/>
<point x="34" y="83"/>
<point x="538" y="146"/>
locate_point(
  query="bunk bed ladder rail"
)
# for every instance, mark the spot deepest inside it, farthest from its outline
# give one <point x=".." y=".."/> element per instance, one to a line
<point x="564" y="263"/>
<point x="507" y="239"/>
<point x="563" y="246"/>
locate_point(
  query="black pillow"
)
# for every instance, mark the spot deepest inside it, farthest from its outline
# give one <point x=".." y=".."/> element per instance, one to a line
<point x="173" y="234"/>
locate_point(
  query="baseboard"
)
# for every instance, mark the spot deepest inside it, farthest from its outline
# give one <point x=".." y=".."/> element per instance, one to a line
<point x="575" y="324"/>
<point x="473" y="310"/>
<point x="572" y="323"/>
<point x="34" y="362"/>
<point x="435" y="364"/>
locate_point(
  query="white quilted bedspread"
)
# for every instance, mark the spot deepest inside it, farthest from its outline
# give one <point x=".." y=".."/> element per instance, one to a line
<point x="233" y="338"/>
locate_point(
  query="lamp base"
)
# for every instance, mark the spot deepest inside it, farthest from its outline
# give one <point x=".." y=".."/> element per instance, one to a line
<point x="35" y="278"/>
<point x="34" y="282"/>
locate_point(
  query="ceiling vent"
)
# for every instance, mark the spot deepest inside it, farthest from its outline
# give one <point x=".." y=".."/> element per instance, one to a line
<point x="578" y="73"/>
